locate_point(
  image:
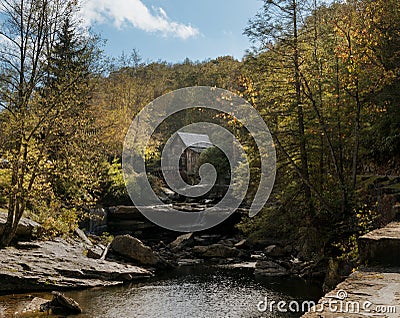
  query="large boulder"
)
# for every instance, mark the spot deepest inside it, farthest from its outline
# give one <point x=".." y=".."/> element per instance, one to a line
<point x="62" y="305"/>
<point x="270" y="269"/>
<point x="216" y="251"/>
<point x="26" y="229"/>
<point x="274" y="251"/>
<point x="133" y="249"/>
<point x="182" y="241"/>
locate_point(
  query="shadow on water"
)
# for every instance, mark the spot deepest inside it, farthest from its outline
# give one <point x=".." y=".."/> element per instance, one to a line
<point x="195" y="292"/>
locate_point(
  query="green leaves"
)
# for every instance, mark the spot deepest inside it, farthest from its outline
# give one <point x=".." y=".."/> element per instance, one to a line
<point x="346" y="84"/>
<point x="45" y="75"/>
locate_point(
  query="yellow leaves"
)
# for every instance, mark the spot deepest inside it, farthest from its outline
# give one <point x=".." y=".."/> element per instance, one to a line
<point x="56" y="220"/>
<point x="250" y="92"/>
<point x="350" y="69"/>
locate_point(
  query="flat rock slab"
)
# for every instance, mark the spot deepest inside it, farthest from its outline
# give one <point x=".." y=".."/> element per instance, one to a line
<point x="248" y="265"/>
<point x="371" y="292"/>
<point x="382" y="246"/>
<point x="391" y="231"/>
<point x="59" y="264"/>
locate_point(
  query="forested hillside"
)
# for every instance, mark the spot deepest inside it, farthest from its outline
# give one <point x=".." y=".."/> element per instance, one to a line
<point x="325" y="78"/>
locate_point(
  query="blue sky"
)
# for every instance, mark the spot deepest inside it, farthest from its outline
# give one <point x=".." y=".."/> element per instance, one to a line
<point x="171" y="30"/>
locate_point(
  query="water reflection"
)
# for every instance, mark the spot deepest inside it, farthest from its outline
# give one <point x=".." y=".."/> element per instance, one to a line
<point x="194" y="292"/>
<point x="189" y="292"/>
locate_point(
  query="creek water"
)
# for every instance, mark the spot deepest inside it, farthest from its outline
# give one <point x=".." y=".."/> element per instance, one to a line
<point x="189" y="292"/>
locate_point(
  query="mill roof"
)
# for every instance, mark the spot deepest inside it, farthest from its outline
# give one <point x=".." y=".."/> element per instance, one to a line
<point x="196" y="142"/>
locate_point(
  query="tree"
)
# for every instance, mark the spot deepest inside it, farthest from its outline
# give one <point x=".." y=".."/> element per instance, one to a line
<point x="383" y="24"/>
<point x="277" y="29"/>
<point x="341" y="67"/>
<point x="43" y="88"/>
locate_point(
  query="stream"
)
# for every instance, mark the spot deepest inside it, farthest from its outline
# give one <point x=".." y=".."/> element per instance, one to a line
<point x="188" y="292"/>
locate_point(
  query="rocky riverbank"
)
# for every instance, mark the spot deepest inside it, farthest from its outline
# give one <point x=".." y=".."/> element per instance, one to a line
<point x="82" y="262"/>
<point x="369" y="292"/>
<point x="273" y="260"/>
<point x="373" y="290"/>
<point x="76" y="263"/>
<point x="60" y="264"/>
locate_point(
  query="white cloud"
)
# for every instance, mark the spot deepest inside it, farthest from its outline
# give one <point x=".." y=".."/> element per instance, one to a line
<point x="3" y="39"/>
<point x="135" y="13"/>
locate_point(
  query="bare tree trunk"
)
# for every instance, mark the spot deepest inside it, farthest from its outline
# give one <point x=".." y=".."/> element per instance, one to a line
<point x="340" y="161"/>
<point x="12" y="216"/>
<point x="300" y="116"/>
<point x="16" y="201"/>
<point x="357" y="128"/>
<point x="339" y="119"/>
<point x="6" y="236"/>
